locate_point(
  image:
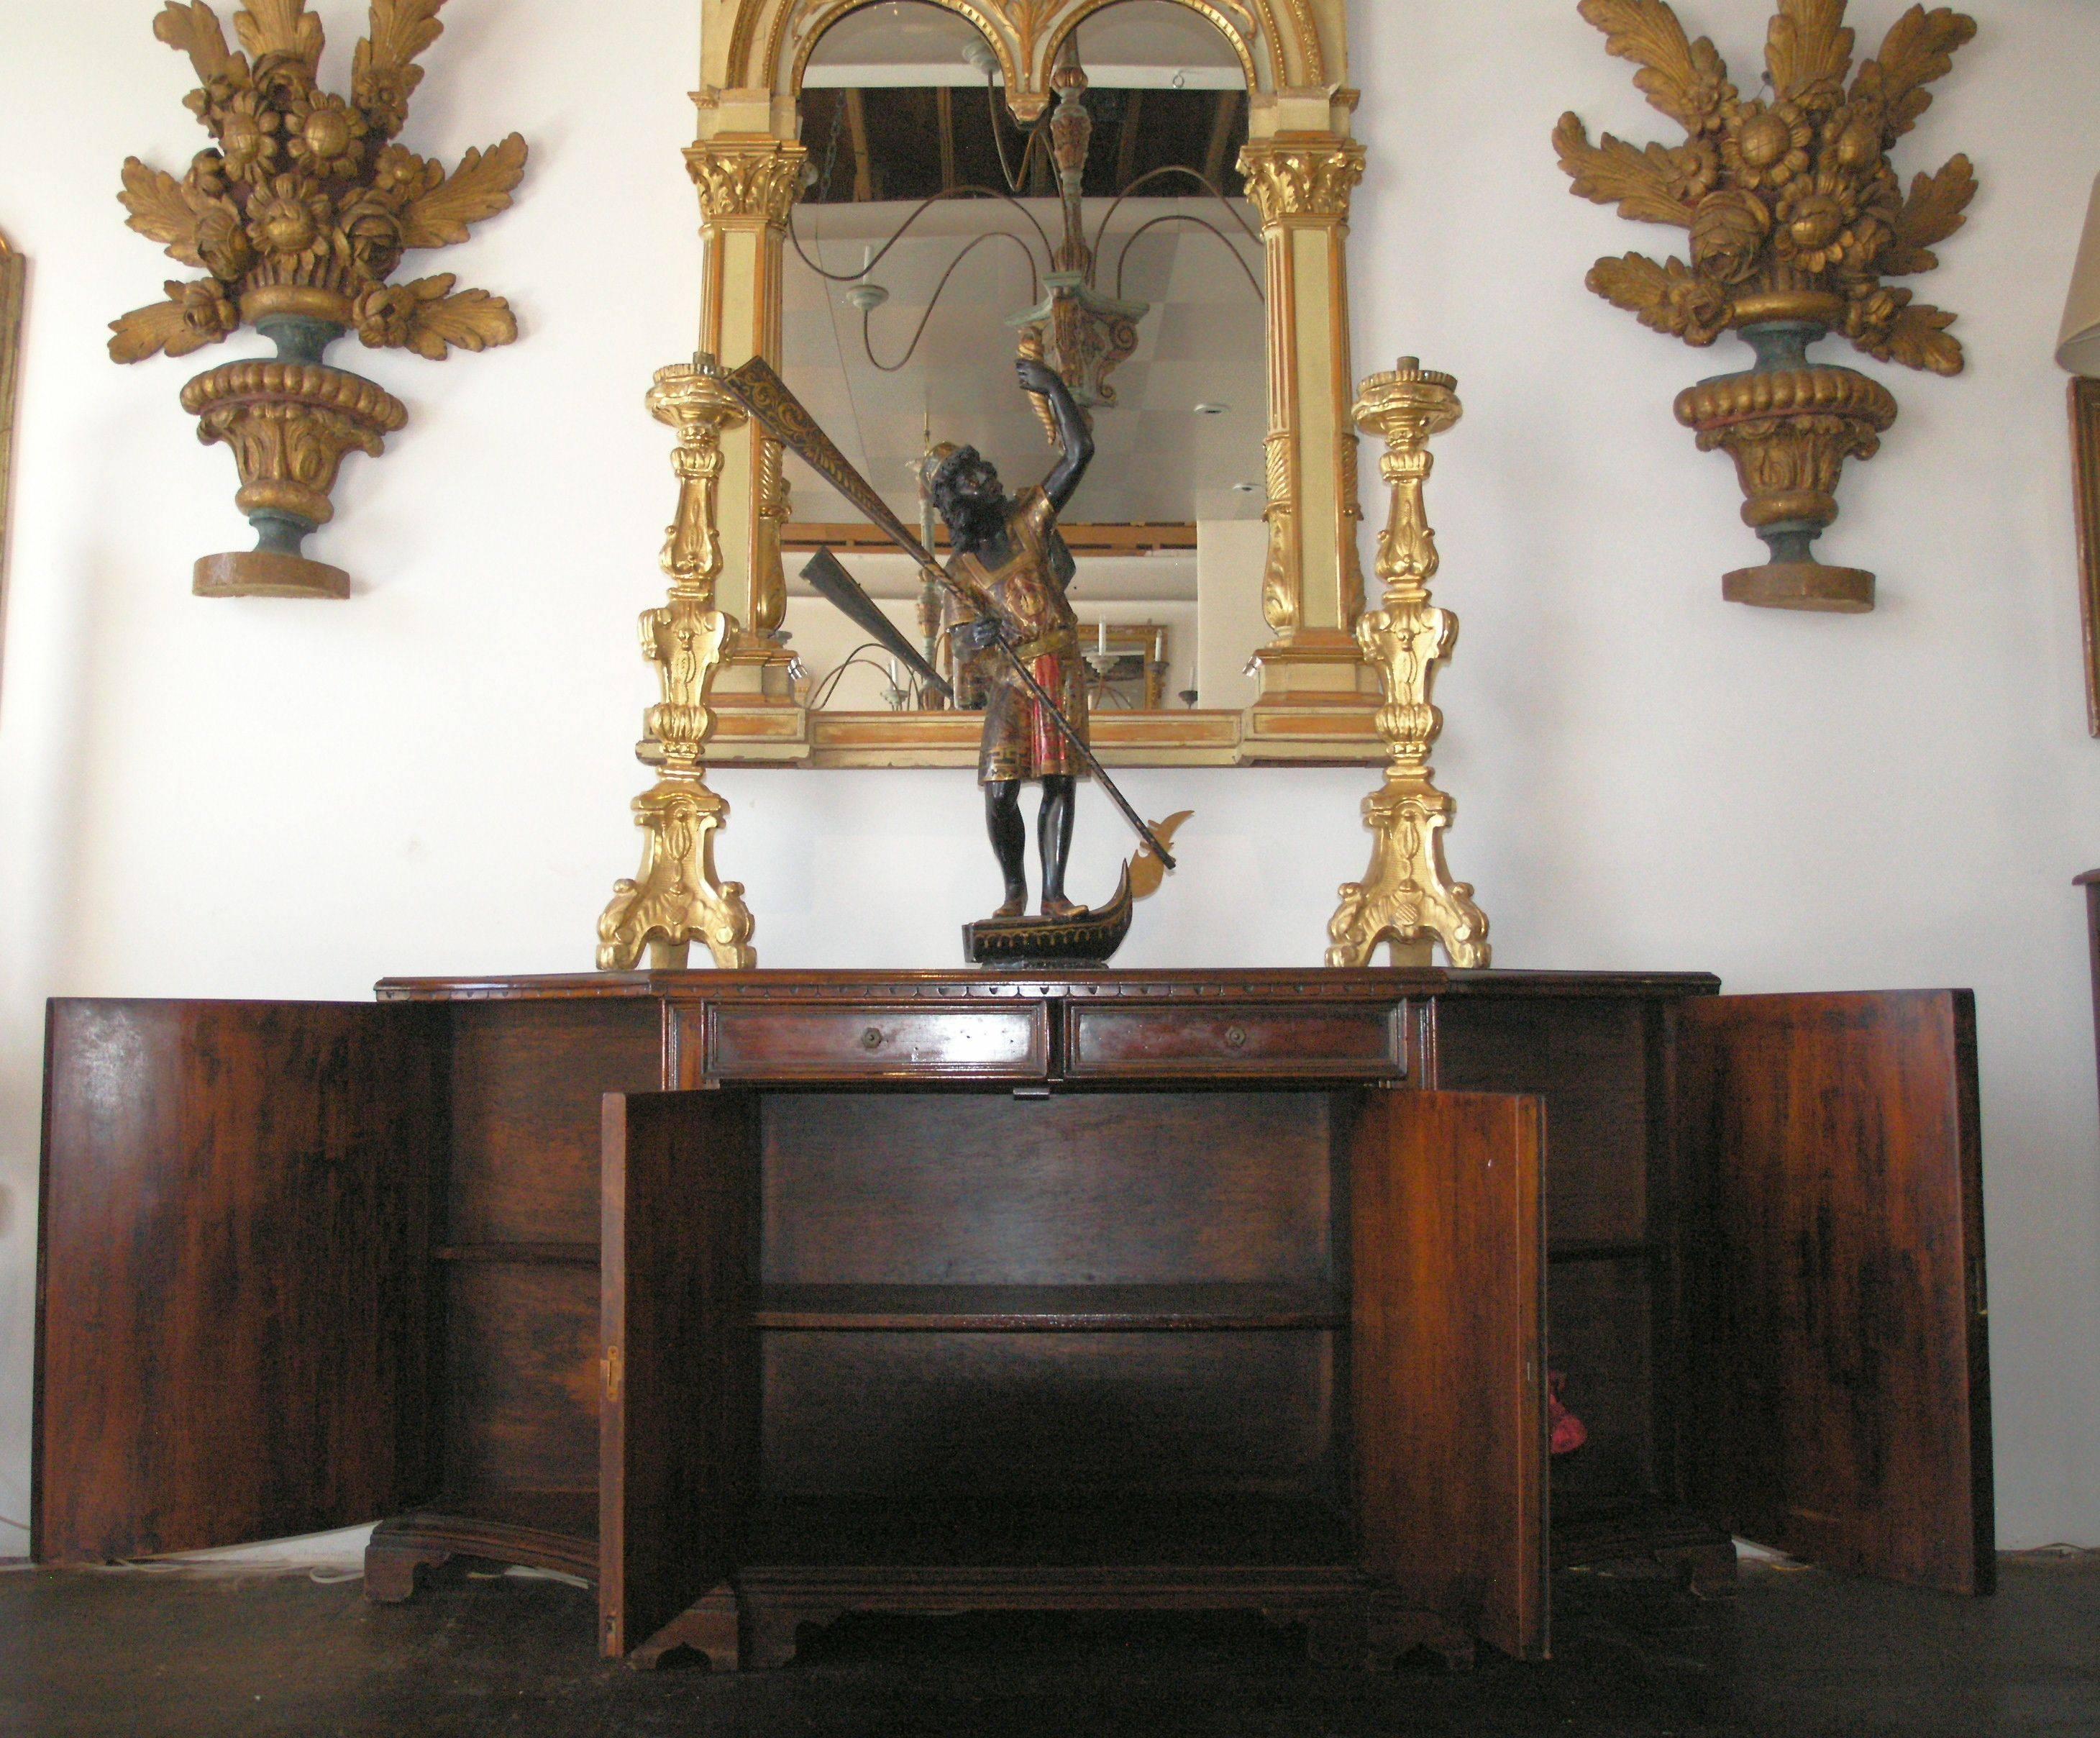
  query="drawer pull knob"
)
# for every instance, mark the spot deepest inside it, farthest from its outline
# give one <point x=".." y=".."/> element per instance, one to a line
<point x="871" y="1039"/>
<point x="1235" y="1038"/>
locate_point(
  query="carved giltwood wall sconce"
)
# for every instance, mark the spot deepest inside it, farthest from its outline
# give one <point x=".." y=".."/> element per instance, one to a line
<point x="300" y="212"/>
<point x="1795" y="217"/>
<point x="1408" y="899"/>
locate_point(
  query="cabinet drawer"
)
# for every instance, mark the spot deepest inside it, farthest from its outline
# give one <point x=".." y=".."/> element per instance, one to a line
<point x="1237" y="1042"/>
<point x="866" y="1042"/>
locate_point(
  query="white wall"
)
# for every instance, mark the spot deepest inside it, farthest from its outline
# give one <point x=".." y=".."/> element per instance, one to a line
<point x="261" y="798"/>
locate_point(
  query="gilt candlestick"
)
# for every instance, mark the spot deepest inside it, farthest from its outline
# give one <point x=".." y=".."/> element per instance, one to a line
<point x="1408" y="899"/>
<point x="678" y="897"/>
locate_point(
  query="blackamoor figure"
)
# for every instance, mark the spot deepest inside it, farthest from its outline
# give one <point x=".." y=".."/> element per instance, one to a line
<point x="1012" y="565"/>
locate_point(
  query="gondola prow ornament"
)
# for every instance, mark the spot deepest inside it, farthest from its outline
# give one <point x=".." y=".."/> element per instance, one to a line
<point x="1009" y="574"/>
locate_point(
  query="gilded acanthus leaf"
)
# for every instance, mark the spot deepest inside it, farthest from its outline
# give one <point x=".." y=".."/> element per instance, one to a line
<point x="1688" y="80"/>
<point x="1917" y="337"/>
<point x="170" y="326"/>
<point x="401" y="30"/>
<point x="1934" y="211"/>
<point x="279" y="27"/>
<point x="1920" y="49"/>
<point x="1647" y="185"/>
<point x="479" y="187"/>
<point x="1666" y="297"/>
<point x="470" y="319"/>
<point x="1808" y="45"/>
<point x="195" y="30"/>
<point x="162" y="209"/>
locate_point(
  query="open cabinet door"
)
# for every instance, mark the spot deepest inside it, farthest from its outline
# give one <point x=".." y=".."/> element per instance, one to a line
<point x="1834" y="1280"/>
<point x="234" y="1328"/>
<point x="679" y="1420"/>
<point x="1448" y="1264"/>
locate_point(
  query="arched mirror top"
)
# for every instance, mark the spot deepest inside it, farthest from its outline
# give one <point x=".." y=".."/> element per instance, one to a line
<point x="756" y="54"/>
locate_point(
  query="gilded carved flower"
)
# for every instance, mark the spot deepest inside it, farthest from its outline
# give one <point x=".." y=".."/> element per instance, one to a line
<point x="1728" y="233"/>
<point x="207" y="310"/>
<point x="248" y="142"/>
<point x="223" y="243"/>
<point x="373" y="232"/>
<point x="383" y="94"/>
<point x="326" y="136"/>
<point x="1872" y="308"/>
<point x="207" y="174"/>
<point x="283" y="77"/>
<point x="400" y="175"/>
<point x="1815" y="221"/>
<point x="1852" y="140"/>
<point x="291" y="222"/>
<point x="1699" y="309"/>
<point x="383" y="316"/>
<point x="1768" y="146"/>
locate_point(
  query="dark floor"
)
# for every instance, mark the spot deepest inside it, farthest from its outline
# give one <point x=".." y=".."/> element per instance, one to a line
<point x="144" y="1653"/>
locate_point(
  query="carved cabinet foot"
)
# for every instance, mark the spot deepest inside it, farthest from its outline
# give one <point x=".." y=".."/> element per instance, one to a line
<point x="1394" y="1630"/>
<point x="709" y="1626"/>
<point x="390" y="1569"/>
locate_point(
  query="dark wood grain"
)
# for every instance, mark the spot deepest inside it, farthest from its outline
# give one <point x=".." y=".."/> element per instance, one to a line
<point x="897" y="1414"/>
<point x="1597" y="1337"/>
<point x="521" y="1376"/>
<point x="1050" y="1309"/>
<point x="235" y="1301"/>
<point x="869" y="1040"/>
<point x="1237" y="1042"/>
<point x="989" y="1189"/>
<point x="527" y="1082"/>
<point x="1838" y="1307"/>
<point x="680" y="1413"/>
<point x="1586" y="1055"/>
<point x="1449" y="1284"/>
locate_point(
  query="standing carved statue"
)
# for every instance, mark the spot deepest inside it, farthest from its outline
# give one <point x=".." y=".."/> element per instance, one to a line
<point x="1012" y="568"/>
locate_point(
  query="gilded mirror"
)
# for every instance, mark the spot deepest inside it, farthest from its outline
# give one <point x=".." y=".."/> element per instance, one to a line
<point x="1216" y="536"/>
<point x="14" y="271"/>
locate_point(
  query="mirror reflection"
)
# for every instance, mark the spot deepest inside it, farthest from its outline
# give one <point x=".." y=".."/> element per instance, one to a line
<point x="936" y="241"/>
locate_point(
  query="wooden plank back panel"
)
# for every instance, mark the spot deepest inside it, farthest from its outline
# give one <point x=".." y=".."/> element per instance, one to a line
<point x="1448" y="1280"/>
<point x="1587" y="1056"/>
<point x="989" y="1189"/>
<point x="236" y="1310"/>
<point x="907" y="1416"/>
<point x="679" y="1429"/>
<point x="1836" y="1279"/>
<point x="521" y="1377"/>
<point x="528" y="1078"/>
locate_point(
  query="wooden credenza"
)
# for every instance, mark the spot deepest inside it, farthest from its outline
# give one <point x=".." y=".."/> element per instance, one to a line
<point x="762" y="1297"/>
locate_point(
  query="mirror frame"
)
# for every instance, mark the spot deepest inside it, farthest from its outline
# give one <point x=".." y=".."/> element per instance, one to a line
<point x="13" y="277"/>
<point x="1318" y="699"/>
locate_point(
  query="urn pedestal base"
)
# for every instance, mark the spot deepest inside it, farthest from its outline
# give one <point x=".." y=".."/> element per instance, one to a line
<point x="266" y="573"/>
<point x="1802" y="585"/>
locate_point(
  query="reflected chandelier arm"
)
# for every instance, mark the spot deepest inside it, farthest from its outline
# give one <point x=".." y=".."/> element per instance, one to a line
<point x="918" y="212"/>
<point x="1225" y="240"/>
<point x="1015" y="179"/>
<point x="1202" y="181"/>
<point x="868" y="314"/>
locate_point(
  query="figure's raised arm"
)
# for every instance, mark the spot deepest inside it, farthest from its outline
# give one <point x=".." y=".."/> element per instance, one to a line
<point x="1073" y="436"/>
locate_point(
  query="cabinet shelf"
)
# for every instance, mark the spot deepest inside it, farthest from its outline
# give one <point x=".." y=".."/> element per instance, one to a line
<point x="1049" y="1309"/>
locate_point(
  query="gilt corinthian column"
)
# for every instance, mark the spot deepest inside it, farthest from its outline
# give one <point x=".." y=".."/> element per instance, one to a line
<point x="747" y="184"/>
<point x="1314" y="681"/>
